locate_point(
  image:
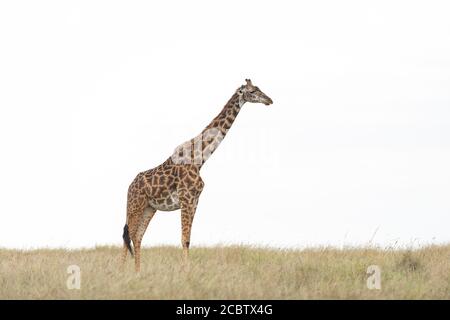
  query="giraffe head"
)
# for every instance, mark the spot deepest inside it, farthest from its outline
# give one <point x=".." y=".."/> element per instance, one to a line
<point x="251" y="93"/>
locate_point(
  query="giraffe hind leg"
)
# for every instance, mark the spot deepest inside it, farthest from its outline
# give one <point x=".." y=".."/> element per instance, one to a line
<point x="126" y="246"/>
<point x="138" y="234"/>
<point x="127" y="240"/>
<point x="129" y="230"/>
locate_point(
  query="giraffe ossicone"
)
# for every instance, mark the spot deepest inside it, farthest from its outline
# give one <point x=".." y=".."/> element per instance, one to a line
<point x="176" y="183"/>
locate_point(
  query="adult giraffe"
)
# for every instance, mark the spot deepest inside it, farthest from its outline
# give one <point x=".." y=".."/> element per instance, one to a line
<point x="176" y="183"/>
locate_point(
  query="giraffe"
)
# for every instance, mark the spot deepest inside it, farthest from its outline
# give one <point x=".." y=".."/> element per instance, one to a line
<point x="176" y="183"/>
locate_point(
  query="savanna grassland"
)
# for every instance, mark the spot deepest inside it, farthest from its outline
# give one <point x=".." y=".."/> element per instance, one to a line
<point x="228" y="272"/>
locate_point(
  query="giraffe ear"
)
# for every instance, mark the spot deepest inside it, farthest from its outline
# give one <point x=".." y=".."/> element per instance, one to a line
<point x="240" y="91"/>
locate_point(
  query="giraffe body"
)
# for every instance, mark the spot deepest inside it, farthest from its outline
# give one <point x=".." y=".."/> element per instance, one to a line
<point x="176" y="183"/>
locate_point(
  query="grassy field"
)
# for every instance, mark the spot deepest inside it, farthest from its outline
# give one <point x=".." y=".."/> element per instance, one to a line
<point x="232" y="272"/>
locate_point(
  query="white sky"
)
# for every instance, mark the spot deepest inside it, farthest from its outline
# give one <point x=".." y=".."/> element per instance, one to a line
<point x="93" y="92"/>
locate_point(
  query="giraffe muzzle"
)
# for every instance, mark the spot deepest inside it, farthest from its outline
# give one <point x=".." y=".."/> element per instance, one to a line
<point x="268" y="101"/>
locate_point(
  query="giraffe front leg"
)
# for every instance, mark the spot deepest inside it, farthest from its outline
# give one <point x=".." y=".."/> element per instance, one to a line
<point x="187" y="217"/>
<point x="188" y="208"/>
<point x="188" y="194"/>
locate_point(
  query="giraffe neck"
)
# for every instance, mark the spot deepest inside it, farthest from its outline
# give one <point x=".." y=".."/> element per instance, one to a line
<point x="216" y="130"/>
<point x="224" y="120"/>
<point x="199" y="149"/>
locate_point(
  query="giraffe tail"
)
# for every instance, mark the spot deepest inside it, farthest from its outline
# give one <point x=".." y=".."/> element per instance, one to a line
<point x="126" y="238"/>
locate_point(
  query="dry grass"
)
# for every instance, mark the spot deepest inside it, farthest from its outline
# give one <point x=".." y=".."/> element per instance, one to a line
<point x="235" y="272"/>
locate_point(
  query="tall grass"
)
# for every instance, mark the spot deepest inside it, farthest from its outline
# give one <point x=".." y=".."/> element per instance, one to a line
<point x="232" y="272"/>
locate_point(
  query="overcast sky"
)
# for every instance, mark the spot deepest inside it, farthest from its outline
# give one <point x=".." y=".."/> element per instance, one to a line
<point x="356" y="145"/>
